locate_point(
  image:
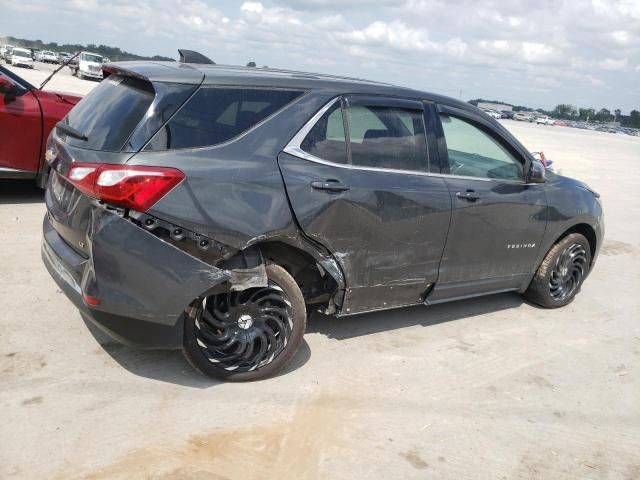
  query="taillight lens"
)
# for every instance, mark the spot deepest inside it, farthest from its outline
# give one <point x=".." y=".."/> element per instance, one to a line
<point x="128" y="186"/>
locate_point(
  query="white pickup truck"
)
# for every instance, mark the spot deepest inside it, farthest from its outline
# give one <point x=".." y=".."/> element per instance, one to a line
<point x="89" y="65"/>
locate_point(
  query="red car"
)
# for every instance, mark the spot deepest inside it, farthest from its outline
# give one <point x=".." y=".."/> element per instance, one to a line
<point x="27" y="115"/>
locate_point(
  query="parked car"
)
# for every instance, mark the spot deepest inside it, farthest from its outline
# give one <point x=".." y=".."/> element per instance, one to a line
<point x="47" y="56"/>
<point x="545" y="120"/>
<point x="27" y="115"/>
<point x="89" y="65"/>
<point x="522" y="116"/>
<point x="492" y="113"/>
<point x="210" y="208"/>
<point x="21" y="57"/>
<point x="64" y="57"/>
<point x="507" y="114"/>
<point x="7" y="53"/>
<point x="5" y="48"/>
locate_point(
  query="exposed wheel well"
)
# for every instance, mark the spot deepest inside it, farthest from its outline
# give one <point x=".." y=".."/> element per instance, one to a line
<point x="588" y="232"/>
<point x="317" y="285"/>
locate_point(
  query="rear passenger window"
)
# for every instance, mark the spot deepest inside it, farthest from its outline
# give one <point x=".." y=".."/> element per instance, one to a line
<point x="326" y="139"/>
<point x="387" y="137"/>
<point x="216" y="115"/>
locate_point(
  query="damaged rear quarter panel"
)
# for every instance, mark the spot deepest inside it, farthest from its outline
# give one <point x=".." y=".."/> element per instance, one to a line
<point x="234" y="192"/>
<point x="166" y="280"/>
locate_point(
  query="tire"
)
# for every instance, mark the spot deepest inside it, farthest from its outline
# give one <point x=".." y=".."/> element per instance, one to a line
<point x="225" y="335"/>
<point x="561" y="273"/>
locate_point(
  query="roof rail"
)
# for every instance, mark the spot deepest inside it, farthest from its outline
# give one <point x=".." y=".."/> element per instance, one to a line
<point x="191" y="56"/>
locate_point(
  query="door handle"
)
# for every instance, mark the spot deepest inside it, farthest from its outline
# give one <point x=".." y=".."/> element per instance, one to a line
<point x="468" y="195"/>
<point x="329" y="185"/>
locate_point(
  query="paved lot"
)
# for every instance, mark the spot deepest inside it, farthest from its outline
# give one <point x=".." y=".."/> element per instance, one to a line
<point x="63" y="81"/>
<point x="485" y="388"/>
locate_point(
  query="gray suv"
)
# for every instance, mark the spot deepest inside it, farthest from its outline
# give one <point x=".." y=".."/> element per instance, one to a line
<point x="211" y="208"/>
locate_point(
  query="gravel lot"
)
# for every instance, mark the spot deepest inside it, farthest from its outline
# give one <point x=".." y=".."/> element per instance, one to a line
<point x="486" y="388"/>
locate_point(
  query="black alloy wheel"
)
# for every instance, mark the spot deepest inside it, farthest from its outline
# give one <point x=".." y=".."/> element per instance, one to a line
<point x="561" y="273"/>
<point x="249" y="334"/>
<point x="568" y="272"/>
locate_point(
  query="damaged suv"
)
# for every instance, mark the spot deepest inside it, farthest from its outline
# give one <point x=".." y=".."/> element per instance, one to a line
<point x="210" y="208"/>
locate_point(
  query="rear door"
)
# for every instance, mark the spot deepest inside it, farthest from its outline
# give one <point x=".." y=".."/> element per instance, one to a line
<point x="21" y="132"/>
<point x="498" y="219"/>
<point x="357" y="176"/>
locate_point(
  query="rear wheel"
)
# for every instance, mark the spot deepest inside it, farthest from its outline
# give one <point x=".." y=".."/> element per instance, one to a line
<point x="247" y="335"/>
<point x="561" y="273"/>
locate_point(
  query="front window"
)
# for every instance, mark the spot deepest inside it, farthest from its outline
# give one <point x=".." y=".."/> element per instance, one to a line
<point x="21" y="53"/>
<point x="89" y="57"/>
<point x="475" y="153"/>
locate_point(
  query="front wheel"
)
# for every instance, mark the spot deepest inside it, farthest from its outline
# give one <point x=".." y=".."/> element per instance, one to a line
<point x="561" y="273"/>
<point x="247" y="335"/>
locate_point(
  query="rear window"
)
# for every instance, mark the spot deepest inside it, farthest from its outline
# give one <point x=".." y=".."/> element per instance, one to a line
<point x="216" y="115"/>
<point x="326" y="139"/>
<point x="109" y="113"/>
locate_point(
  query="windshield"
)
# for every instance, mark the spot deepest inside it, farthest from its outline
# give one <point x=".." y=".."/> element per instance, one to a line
<point x="21" y="53"/>
<point x="90" y="57"/>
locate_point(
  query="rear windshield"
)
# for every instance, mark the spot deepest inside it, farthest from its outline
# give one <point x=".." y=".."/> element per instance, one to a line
<point x="216" y="115"/>
<point x="109" y="113"/>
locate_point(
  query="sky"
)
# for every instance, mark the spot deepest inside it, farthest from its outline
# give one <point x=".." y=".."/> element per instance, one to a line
<point x="539" y="54"/>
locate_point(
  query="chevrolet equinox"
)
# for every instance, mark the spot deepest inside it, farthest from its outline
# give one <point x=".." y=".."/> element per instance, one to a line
<point x="211" y="208"/>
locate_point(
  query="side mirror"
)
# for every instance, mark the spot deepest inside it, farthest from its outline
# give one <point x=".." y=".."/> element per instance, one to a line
<point x="537" y="172"/>
<point x="7" y="87"/>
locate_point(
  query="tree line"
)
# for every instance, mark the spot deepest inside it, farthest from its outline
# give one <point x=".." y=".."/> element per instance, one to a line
<point x="570" y="112"/>
<point x="565" y="111"/>
<point x="112" y="53"/>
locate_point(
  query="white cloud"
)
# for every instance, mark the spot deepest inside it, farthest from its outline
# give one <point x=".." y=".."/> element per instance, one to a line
<point x="252" y="7"/>
<point x="613" y="64"/>
<point x="489" y="48"/>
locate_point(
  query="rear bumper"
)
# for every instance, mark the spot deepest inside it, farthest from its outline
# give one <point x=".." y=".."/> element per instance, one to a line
<point x="144" y="284"/>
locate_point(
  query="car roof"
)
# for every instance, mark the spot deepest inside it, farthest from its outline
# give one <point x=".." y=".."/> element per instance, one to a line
<point x="175" y="72"/>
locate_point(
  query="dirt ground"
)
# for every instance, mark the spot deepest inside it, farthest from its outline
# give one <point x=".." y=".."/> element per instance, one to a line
<point x="490" y="388"/>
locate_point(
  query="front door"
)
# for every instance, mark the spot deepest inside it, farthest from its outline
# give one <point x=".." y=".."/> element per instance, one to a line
<point x="498" y="219"/>
<point x="365" y="193"/>
<point x="20" y="132"/>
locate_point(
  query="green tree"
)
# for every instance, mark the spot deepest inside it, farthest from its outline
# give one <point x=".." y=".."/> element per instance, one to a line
<point x="564" y="110"/>
<point x="586" y="114"/>
<point x="604" y="115"/>
<point x="251" y="64"/>
<point x="635" y="118"/>
<point x="618" y="115"/>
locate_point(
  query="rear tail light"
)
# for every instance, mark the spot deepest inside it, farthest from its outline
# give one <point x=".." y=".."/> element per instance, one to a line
<point x="127" y="186"/>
